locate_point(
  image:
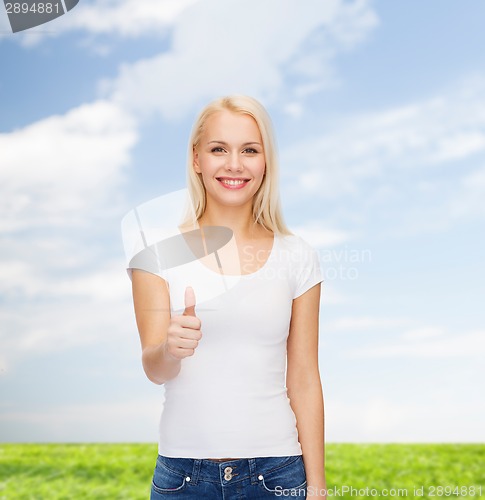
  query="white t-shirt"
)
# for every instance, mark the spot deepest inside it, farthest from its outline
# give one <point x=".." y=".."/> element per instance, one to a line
<point x="230" y="398"/>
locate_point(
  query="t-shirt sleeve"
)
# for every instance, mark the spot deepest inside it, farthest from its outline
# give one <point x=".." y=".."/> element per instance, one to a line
<point x="148" y="260"/>
<point x="309" y="271"/>
<point x="140" y="246"/>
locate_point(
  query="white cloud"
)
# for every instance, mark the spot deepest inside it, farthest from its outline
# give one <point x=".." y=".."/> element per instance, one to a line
<point x="413" y="169"/>
<point x="374" y="420"/>
<point x="37" y="276"/>
<point x="56" y="177"/>
<point x="242" y="46"/>
<point x="318" y="236"/>
<point x="293" y="109"/>
<point x="467" y="199"/>
<point x="60" y="169"/>
<point x="366" y="323"/>
<point x="60" y="294"/>
<point x="426" y="135"/>
<point x="125" y="18"/>
<point x="132" y="421"/>
<point x="63" y="324"/>
<point x="424" y="332"/>
<point x="330" y="296"/>
<point x="110" y="283"/>
<point x="459" y="145"/>
<point x="379" y="419"/>
<point x="428" y="344"/>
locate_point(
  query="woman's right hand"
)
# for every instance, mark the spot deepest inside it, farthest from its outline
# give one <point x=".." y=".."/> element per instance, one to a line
<point x="183" y="334"/>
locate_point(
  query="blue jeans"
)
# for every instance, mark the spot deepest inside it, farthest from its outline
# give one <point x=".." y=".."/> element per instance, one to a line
<point x="251" y="478"/>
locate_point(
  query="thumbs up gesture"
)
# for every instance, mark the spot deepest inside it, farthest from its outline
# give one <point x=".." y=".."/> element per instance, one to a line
<point x="189" y="302"/>
<point x="184" y="333"/>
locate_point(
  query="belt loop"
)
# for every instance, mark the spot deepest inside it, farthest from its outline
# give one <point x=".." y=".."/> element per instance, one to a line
<point x="195" y="471"/>
<point x="252" y="470"/>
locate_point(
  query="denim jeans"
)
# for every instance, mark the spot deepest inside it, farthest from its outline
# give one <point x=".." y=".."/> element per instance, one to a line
<point x="245" y="478"/>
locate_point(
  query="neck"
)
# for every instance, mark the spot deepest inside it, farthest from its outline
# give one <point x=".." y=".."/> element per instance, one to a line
<point x="238" y="219"/>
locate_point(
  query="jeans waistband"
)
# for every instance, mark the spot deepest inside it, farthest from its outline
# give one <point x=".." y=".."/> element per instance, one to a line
<point x="208" y="470"/>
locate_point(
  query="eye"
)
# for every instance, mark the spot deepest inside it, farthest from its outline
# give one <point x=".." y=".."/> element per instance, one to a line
<point x="251" y="151"/>
<point x="217" y="149"/>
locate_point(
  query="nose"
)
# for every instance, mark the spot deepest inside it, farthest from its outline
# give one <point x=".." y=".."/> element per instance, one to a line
<point x="234" y="163"/>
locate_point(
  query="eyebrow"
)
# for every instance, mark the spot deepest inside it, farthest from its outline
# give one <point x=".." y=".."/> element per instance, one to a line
<point x="225" y="143"/>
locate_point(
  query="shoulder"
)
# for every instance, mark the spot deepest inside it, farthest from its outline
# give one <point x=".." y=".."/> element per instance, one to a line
<point x="302" y="261"/>
<point x="296" y="245"/>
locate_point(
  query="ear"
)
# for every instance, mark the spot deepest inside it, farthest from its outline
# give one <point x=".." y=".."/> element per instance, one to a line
<point x="196" y="160"/>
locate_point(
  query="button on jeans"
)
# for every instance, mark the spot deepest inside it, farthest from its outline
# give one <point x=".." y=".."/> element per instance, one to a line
<point x="251" y="478"/>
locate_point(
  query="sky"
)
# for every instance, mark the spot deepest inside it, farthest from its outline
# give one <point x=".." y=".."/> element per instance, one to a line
<point x="379" y="112"/>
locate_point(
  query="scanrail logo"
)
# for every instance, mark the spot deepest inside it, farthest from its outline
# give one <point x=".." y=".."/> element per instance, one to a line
<point x="30" y="13"/>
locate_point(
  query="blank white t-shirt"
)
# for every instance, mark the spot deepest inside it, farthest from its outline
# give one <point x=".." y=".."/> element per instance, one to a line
<point x="230" y="399"/>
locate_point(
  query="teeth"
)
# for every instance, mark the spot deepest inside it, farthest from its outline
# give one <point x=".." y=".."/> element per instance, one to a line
<point x="231" y="182"/>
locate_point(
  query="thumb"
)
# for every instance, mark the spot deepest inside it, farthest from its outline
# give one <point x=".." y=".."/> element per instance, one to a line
<point x="189" y="302"/>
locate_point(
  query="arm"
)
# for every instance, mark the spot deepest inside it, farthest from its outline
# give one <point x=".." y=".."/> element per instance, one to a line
<point x="304" y="385"/>
<point x="151" y="301"/>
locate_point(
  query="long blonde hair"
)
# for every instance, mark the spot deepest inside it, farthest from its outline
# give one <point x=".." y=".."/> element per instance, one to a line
<point x="266" y="202"/>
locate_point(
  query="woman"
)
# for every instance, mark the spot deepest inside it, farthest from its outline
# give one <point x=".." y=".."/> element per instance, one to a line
<point x="243" y="413"/>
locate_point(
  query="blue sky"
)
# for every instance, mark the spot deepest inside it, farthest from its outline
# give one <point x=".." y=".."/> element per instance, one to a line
<point x="379" y="109"/>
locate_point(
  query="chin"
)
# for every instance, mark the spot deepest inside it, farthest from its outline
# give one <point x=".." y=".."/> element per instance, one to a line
<point x="230" y="200"/>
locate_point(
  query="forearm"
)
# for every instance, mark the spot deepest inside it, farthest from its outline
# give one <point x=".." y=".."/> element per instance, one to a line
<point x="159" y="366"/>
<point x="306" y="400"/>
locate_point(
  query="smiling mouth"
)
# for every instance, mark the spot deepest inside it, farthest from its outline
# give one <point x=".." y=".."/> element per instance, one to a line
<point x="232" y="182"/>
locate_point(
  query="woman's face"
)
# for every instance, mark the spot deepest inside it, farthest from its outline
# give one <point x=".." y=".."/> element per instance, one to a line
<point x="230" y="157"/>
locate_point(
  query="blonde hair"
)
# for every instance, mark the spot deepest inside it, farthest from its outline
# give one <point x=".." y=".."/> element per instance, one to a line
<point x="266" y="202"/>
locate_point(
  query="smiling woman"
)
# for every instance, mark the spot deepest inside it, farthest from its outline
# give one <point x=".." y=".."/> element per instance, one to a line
<point x="230" y="155"/>
<point x="243" y="412"/>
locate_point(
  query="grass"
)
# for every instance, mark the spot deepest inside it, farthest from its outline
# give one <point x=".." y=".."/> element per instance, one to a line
<point x="409" y="467"/>
<point x="77" y="471"/>
<point x="123" y="471"/>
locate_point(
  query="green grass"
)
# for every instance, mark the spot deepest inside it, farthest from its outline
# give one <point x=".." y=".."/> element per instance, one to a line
<point x="91" y="471"/>
<point x="123" y="471"/>
<point x="407" y="466"/>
